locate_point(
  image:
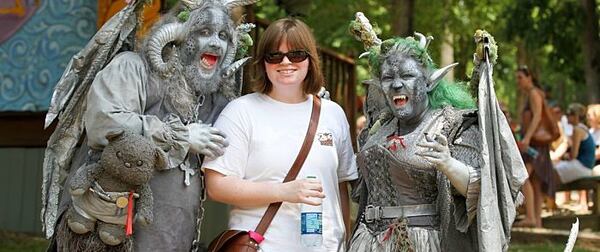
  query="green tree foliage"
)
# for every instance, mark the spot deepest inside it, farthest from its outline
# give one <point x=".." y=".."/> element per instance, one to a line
<point x="548" y="32"/>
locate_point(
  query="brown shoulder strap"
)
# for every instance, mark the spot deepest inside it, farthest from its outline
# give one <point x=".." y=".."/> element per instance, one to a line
<point x="308" y="140"/>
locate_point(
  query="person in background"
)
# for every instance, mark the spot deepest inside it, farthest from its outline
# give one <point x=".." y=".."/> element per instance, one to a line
<point x="266" y="129"/>
<point x="361" y="122"/>
<point x="593" y="119"/>
<point x="559" y="147"/>
<point x="583" y="148"/>
<point x="582" y="154"/>
<point x="539" y="166"/>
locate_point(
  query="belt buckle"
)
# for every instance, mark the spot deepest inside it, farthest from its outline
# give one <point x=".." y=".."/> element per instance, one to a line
<point x="373" y="213"/>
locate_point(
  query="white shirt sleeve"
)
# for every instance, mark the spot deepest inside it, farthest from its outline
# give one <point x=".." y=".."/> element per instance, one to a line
<point x="236" y="130"/>
<point x="347" y="160"/>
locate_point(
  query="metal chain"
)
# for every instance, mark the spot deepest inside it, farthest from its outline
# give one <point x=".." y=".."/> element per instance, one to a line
<point x="200" y="218"/>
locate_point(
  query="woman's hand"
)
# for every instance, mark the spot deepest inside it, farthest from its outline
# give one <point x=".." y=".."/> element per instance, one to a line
<point x="308" y="191"/>
<point x="524" y="144"/>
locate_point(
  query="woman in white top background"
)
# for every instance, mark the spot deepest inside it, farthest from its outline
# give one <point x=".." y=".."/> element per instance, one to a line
<point x="265" y="131"/>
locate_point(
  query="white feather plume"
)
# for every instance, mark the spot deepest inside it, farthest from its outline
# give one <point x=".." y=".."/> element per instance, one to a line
<point x="572" y="236"/>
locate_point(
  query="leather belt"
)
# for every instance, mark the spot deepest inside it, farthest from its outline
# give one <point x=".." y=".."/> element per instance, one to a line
<point x="374" y="213"/>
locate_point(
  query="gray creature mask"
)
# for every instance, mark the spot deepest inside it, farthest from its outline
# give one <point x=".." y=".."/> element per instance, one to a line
<point x="405" y="86"/>
<point x="200" y="44"/>
<point x="206" y="47"/>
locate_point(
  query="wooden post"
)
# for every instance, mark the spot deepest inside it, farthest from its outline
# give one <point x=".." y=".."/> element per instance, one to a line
<point x="596" y="209"/>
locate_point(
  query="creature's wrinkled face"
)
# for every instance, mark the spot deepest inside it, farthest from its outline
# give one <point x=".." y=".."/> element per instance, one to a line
<point x="206" y="48"/>
<point x="404" y="83"/>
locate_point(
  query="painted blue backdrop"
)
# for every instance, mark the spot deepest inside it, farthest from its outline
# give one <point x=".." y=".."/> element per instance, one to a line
<point x="33" y="59"/>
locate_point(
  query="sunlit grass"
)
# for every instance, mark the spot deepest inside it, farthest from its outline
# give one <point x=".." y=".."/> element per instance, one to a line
<point x="13" y="242"/>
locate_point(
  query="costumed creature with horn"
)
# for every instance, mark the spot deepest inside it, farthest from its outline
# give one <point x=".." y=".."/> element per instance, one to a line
<point x="438" y="170"/>
<point x="168" y="88"/>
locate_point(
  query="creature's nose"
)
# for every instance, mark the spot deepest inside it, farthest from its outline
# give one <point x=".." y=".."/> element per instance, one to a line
<point x="213" y="42"/>
<point x="397" y="85"/>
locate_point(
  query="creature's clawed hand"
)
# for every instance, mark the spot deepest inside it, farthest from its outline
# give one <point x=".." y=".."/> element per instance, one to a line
<point x="206" y="140"/>
<point x="324" y="94"/>
<point x="436" y="151"/>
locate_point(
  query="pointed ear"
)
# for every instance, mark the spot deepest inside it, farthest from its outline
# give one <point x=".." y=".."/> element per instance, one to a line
<point x="114" y="135"/>
<point x="161" y="159"/>
<point x="436" y="76"/>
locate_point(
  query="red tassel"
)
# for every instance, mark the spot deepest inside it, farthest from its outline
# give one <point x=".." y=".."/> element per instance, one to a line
<point x="129" y="222"/>
<point x="388" y="233"/>
<point x="402" y="142"/>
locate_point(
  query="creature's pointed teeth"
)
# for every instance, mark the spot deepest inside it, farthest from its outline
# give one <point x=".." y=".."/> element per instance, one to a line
<point x="400" y="100"/>
<point x="209" y="60"/>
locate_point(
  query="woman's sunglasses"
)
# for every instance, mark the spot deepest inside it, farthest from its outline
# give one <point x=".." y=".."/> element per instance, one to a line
<point x="293" y="56"/>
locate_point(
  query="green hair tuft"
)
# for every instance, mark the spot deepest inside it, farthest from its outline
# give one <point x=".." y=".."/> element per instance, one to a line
<point x="183" y="15"/>
<point x="453" y="94"/>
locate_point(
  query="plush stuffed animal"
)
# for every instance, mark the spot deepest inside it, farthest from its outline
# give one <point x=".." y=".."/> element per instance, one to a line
<point x="102" y="192"/>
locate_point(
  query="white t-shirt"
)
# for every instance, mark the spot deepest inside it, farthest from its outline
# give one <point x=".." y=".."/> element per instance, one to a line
<point x="567" y="127"/>
<point x="265" y="137"/>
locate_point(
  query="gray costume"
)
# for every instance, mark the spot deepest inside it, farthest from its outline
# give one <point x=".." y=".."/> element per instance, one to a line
<point x="170" y="91"/>
<point x="437" y="171"/>
<point x="139" y="106"/>
<point x="392" y="175"/>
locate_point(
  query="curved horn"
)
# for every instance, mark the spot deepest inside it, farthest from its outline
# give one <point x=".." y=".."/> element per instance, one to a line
<point x="230" y="4"/>
<point x="168" y="33"/>
<point x="231" y="51"/>
<point x="365" y="54"/>
<point x="234" y="67"/>
<point x="422" y="40"/>
<point x="429" y="39"/>
<point x="191" y="4"/>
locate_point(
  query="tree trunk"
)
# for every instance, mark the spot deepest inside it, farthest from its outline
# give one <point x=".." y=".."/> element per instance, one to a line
<point x="591" y="51"/>
<point x="521" y="60"/>
<point x="402" y="17"/>
<point x="447" y="52"/>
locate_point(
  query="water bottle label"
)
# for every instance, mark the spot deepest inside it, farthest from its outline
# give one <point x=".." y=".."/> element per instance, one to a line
<point x="311" y="223"/>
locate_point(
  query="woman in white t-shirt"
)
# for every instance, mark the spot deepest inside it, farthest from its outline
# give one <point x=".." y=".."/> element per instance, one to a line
<point x="265" y="131"/>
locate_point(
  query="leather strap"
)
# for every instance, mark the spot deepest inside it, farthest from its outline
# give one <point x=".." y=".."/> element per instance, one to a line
<point x="308" y="140"/>
<point x="375" y="213"/>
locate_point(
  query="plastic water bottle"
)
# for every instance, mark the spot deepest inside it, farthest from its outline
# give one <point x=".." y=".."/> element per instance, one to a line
<point x="311" y="224"/>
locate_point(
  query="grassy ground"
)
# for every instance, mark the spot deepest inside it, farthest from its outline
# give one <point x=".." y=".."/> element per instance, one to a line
<point x="12" y="242"/>
<point x="541" y="247"/>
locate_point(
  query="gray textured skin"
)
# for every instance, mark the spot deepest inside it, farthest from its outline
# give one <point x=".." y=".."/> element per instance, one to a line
<point x="401" y="75"/>
<point x="479" y="140"/>
<point x="69" y="103"/>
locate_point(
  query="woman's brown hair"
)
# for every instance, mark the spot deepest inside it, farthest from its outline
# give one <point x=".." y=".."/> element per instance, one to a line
<point x="299" y="37"/>
<point x="525" y="70"/>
